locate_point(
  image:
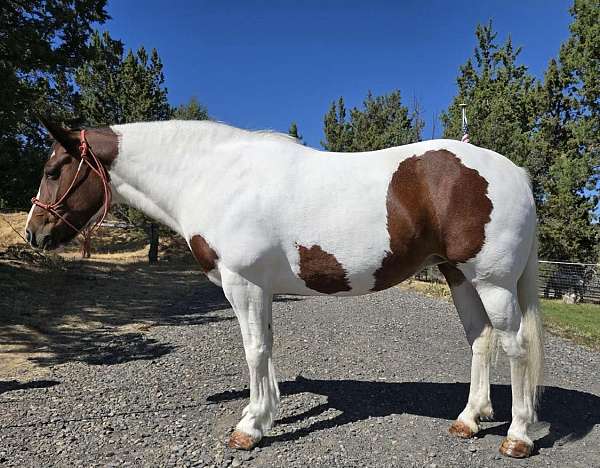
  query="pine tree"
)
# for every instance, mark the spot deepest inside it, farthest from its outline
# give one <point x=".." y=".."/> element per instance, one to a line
<point x="550" y="127"/>
<point x="336" y="129"/>
<point x="382" y="122"/>
<point x="117" y="89"/>
<point x="567" y="142"/>
<point x="293" y="132"/>
<point x="193" y="110"/>
<point x="500" y="97"/>
<point x="41" y="42"/>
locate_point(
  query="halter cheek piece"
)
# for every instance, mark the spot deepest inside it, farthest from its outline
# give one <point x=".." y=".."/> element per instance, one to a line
<point x="88" y="157"/>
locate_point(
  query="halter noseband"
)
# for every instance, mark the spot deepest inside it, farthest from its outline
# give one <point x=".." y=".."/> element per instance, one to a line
<point x="89" y="157"/>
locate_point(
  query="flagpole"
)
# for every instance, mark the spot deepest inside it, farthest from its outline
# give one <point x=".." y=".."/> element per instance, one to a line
<point x="465" y="137"/>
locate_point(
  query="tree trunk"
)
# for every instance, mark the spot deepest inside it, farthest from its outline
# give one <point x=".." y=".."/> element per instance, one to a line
<point x="153" y="252"/>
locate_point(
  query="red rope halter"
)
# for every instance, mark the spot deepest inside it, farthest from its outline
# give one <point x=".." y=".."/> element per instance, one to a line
<point x="88" y="157"/>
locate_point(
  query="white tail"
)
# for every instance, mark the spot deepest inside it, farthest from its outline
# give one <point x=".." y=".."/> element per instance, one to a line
<point x="533" y="330"/>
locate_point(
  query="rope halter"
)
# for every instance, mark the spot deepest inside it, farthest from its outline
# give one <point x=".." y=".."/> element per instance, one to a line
<point x="88" y="157"/>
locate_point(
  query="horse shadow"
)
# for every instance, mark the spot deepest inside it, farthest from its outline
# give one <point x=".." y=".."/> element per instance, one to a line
<point x="571" y="414"/>
<point x="98" y="314"/>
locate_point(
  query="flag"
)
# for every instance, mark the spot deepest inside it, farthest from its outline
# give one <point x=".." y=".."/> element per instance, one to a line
<point x="465" y="129"/>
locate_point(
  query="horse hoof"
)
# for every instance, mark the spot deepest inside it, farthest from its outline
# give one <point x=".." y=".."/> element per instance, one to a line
<point x="240" y="441"/>
<point x="460" y="429"/>
<point x="515" y="448"/>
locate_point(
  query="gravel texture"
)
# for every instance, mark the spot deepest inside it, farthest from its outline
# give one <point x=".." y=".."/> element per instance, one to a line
<point x="367" y="381"/>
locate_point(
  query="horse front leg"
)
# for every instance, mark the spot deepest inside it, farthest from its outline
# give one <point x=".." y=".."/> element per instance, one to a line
<point x="478" y="330"/>
<point x="252" y="306"/>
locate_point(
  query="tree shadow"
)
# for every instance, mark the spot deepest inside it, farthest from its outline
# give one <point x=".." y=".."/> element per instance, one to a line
<point x="571" y="414"/>
<point x="96" y="312"/>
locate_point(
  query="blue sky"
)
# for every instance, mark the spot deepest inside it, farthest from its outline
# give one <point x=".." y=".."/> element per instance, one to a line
<point x="264" y="64"/>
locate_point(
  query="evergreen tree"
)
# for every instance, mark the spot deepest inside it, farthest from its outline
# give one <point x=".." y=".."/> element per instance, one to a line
<point x="500" y="97"/>
<point x="551" y="128"/>
<point x="193" y="110"/>
<point x="567" y="141"/>
<point x="293" y="132"/>
<point x="337" y="130"/>
<point x="117" y="89"/>
<point x="41" y="42"/>
<point x="382" y="122"/>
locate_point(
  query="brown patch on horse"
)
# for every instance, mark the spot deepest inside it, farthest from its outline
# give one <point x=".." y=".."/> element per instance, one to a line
<point x="203" y="253"/>
<point x="104" y="142"/>
<point x="436" y="207"/>
<point x="321" y="271"/>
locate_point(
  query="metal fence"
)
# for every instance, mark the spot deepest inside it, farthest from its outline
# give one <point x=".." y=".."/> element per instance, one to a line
<point x="579" y="281"/>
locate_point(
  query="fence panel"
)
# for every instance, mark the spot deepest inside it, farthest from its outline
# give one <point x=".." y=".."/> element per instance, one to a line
<point x="581" y="281"/>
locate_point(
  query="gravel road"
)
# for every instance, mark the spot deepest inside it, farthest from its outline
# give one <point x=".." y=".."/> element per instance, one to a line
<point x="369" y="381"/>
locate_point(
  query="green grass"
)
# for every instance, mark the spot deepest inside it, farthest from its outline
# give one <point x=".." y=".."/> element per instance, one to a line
<point x="577" y="322"/>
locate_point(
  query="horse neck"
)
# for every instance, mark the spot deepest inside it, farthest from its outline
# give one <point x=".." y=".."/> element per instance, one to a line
<point x="155" y="167"/>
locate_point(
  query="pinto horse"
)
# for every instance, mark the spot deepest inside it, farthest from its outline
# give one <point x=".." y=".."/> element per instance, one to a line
<point x="264" y="215"/>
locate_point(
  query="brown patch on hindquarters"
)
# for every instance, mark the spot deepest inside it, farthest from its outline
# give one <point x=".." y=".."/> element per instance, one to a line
<point x="460" y="429"/>
<point x="203" y="253"/>
<point x="515" y="448"/>
<point x="241" y="441"/>
<point x="321" y="271"/>
<point x="436" y="207"/>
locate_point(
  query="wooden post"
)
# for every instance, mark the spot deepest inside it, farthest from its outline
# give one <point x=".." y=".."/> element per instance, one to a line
<point x="153" y="252"/>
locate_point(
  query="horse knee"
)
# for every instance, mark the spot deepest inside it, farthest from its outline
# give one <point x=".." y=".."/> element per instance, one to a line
<point x="512" y="345"/>
<point x="483" y="342"/>
<point x="256" y="355"/>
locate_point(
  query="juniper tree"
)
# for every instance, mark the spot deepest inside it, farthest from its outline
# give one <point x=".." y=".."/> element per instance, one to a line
<point x="382" y="122"/>
<point x="116" y="89"/>
<point x="41" y="43"/>
<point x="567" y="141"/>
<point x="193" y="110"/>
<point x="500" y="98"/>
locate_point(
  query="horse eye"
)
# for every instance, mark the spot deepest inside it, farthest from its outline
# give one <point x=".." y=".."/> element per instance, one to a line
<point x="52" y="173"/>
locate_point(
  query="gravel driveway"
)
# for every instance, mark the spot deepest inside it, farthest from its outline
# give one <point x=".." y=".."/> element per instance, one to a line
<point x="368" y="381"/>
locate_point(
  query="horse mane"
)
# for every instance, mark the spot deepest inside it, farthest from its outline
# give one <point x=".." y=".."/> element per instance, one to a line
<point x="263" y="133"/>
<point x="217" y="129"/>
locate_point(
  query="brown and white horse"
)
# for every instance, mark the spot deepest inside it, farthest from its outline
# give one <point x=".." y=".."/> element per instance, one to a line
<point x="264" y="215"/>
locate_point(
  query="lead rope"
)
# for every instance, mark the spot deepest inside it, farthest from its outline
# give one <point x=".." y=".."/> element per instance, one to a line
<point x="85" y="152"/>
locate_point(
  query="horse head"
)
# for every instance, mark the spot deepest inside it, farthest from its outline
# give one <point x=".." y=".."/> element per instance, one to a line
<point x="74" y="191"/>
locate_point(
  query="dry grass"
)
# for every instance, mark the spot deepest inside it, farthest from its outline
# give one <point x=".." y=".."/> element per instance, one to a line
<point x="577" y="322"/>
<point x="437" y="290"/>
<point x="56" y="308"/>
<point x="9" y="223"/>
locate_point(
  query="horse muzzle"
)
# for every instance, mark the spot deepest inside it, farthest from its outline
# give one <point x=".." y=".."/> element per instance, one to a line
<point x="41" y="238"/>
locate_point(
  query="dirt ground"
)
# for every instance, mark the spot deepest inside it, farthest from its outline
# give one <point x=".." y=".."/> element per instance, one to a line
<point x="59" y="307"/>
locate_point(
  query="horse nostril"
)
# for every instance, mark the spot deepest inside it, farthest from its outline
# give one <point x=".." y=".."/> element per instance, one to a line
<point x="31" y="238"/>
<point x="45" y="241"/>
<point x="28" y="235"/>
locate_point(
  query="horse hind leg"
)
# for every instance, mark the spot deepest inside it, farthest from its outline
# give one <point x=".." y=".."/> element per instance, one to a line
<point x="514" y="315"/>
<point x="478" y="330"/>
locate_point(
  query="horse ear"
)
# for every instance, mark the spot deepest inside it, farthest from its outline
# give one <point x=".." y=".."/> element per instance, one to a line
<point x="65" y="136"/>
